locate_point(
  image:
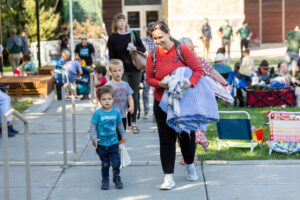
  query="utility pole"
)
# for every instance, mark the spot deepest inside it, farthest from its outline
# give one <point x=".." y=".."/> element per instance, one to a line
<point x="71" y="27"/>
<point x="38" y="31"/>
<point x="1" y="57"/>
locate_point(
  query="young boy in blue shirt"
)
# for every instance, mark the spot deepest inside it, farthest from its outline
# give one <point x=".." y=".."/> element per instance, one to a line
<point x="103" y="132"/>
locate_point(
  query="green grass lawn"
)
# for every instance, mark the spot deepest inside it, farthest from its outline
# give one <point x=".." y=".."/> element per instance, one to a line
<point x="21" y="105"/>
<point x="7" y="69"/>
<point x="271" y="62"/>
<point x="229" y="153"/>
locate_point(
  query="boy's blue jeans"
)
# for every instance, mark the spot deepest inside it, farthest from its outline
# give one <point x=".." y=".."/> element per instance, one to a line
<point x="109" y="155"/>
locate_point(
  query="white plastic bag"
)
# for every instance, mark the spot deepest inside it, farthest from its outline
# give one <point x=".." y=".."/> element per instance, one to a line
<point x="125" y="158"/>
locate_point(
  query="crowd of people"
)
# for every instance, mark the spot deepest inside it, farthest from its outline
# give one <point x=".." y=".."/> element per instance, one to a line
<point x="118" y="90"/>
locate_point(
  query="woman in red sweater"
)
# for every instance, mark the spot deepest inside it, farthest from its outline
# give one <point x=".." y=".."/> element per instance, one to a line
<point x="166" y="63"/>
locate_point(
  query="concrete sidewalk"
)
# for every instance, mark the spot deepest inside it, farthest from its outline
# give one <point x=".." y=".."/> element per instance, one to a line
<point x="81" y="180"/>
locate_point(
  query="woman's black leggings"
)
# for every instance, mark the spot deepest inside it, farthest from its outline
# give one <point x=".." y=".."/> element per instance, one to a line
<point x="167" y="139"/>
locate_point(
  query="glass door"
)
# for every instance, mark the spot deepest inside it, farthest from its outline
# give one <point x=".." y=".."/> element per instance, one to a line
<point x="140" y="16"/>
<point x="134" y="21"/>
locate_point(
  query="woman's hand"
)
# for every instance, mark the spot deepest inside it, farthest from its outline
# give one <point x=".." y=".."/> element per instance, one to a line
<point x="163" y="84"/>
<point x="187" y="86"/>
<point x="133" y="48"/>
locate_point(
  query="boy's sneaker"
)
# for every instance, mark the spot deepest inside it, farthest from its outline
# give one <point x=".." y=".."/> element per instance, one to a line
<point x="105" y="185"/>
<point x="168" y="183"/>
<point x="192" y="174"/>
<point x="118" y="183"/>
<point x="146" y="116"/>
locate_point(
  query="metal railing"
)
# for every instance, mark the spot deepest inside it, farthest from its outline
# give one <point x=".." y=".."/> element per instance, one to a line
<point x="64" y="125"/>
<point x="93" y="99"/>
<point x="5" y="153"/>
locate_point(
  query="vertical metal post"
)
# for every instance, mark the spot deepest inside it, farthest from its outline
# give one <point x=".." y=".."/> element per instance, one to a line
<point x="71" y="28"/>
<point x="5" y="153"/>
<point x="260" y="20"/>
<point x="1" y="57"/>
<point x="74" y="124"/>
<point x="64" y="125"/>
<point x="38" y="30"/>
<point x="92" y="86"/>
<point x="283" y="21"/>
<point x="5" y="157"/>
<point x="27" y="161"/>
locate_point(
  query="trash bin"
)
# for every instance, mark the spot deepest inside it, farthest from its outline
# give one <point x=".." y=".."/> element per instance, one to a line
<point x="4" y="88"/>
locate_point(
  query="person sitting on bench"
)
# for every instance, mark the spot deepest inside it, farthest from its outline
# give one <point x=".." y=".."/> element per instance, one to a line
<point x="28" y="67"/>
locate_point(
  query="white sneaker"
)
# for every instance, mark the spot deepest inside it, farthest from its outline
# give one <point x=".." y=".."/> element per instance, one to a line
<point x="168" y="183"/>
<point x="192" y="174"/>
<point x="146" y="116"/>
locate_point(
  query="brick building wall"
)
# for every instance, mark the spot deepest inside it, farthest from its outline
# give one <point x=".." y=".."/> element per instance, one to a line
<point x="185" y="18"/>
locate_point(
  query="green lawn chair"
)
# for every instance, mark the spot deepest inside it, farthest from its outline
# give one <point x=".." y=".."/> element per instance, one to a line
<point x="235" y="129"/>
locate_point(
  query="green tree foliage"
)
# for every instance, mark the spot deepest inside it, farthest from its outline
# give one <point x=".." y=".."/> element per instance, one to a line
<point x="49" y="20"/>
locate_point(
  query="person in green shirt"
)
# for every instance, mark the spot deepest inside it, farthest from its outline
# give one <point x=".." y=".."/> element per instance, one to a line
<point x="226" y="34"/>
<point x="14" y="45"/>
<point x="28" y="67"/>
<point x="245" y="35"/>
<point x="292" y="52"/>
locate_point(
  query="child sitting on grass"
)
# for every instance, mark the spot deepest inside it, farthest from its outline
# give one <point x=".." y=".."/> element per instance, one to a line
<point x="103" y="132"/>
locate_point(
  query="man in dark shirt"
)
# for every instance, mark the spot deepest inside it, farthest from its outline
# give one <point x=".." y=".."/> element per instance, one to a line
<point x="63" y="40"/>
<point x="206" y="37"/>
<point x="85" y="51"/>
<point x="245" y="35"/>
<point x="24" y="38"/>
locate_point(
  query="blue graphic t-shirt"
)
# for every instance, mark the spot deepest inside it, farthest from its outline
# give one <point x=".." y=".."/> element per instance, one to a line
<point x="57" y="73"/>
<point x="85" y="52"/>
<point x="107" y="126"/>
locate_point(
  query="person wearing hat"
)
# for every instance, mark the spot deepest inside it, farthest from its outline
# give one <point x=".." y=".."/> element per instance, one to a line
<point x="206" y="37"/>
<point x="221" y="66"/>
<point x="226" y="34"/>
<point x="207" y="67"/>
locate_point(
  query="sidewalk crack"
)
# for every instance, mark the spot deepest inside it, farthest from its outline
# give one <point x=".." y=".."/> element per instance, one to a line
<point x="204" y="180"/>
<point x="54" y="186"/>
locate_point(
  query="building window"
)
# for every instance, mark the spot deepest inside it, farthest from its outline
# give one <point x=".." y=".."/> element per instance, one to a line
<point x="141" y="2"/>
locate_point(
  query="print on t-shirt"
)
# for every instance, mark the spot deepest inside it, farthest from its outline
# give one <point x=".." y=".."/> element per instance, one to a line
<point x="121" y="95"/>
<point x="84" y="52"/>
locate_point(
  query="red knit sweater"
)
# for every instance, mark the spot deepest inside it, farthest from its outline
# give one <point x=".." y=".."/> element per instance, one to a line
<point x="165" y="65"/>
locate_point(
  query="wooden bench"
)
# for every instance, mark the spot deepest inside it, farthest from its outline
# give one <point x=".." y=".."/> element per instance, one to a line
<point x="46" y="70"/>
<point x="29" y="86"/>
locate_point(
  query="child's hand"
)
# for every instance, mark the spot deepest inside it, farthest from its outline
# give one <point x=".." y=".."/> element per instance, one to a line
<point x="95" y="142"/>
<point x="131" y="109"/>
<point x="123" y="140"/>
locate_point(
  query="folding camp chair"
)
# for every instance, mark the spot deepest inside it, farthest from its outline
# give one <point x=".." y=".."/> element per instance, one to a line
<point x="235" y="129"/>
<point x="284" y="127"/>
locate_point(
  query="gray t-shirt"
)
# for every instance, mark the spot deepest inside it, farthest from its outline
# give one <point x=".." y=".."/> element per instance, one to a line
<point x="121" y="92"/>
<point x="205" y="28"/>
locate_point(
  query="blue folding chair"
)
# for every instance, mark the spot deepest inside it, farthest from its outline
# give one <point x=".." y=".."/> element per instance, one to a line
<point x="235" y="129"/>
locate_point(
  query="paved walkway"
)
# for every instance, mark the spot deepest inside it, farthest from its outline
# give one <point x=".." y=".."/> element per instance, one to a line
<point x="218" y="180"/>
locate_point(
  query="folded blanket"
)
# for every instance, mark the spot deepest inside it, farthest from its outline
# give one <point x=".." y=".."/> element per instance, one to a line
<point x="197" y="107"/>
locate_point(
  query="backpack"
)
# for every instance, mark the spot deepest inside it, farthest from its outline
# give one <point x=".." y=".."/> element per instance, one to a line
<point x="178" y="51"/>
